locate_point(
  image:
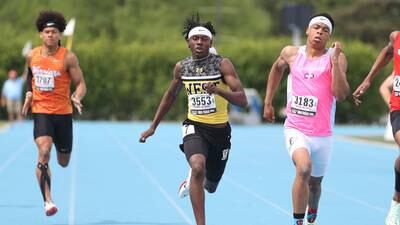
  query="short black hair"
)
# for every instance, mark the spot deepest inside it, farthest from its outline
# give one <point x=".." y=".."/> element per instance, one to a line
<point x="50" y="18"/>
<point x="329" y="17"/>
<point x="194" y="21"/>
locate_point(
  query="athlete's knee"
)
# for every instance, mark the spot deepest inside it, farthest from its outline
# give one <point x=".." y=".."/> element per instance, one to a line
<point x="315" y="187"/>
<point x="303" y="171"/>
<point x="44" y="155"/>
<point x="210" y="186"/>
<point x="397" y="163"/>
<point x="198" y="171"/>
<point x="63" y="158"/>
<point x="63" y="163"/>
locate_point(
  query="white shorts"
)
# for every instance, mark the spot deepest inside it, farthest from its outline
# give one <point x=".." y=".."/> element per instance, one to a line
<point x="319" y="149"/>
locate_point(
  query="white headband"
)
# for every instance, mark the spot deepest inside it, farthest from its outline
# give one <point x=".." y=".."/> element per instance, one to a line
<point x="199" y="31"/>
<point x="321" y="19"/>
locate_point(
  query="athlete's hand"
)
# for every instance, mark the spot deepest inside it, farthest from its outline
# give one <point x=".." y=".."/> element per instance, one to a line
<point x="149" y="132"/>
<point x="27" y="103"/>
<point x="269" y="113"/>
<point x="360" y="91"/>
<point x="77" y="103"/>
<point x="337" y="49"/>
<point x="211" y="88"/>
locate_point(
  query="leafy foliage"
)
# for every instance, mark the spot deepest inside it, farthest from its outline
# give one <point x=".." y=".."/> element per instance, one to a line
<point x="128" y="48"/>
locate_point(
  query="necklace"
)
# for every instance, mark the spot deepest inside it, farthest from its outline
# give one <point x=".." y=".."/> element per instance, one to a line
<point x="49" y="53"/>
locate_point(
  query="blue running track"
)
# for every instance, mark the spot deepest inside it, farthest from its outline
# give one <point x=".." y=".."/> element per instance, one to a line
<point x="112" y="179"/>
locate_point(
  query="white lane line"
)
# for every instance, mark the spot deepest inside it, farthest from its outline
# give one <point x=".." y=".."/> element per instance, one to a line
<point x="258" y="196"/>
<point x="367" y="142"/>
<point x="152" y="179"/>
<point x="356" y="200"/>
<point x="72" y="193"/>
<point x="14" y="156"/>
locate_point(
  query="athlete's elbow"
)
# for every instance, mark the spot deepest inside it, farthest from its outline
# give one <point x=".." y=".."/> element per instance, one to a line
<point x="341" y="96"/>
<point x="243" y="103"/>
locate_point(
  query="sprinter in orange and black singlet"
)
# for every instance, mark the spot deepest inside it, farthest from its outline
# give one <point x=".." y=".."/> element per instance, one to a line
<point x="52" y="68"/>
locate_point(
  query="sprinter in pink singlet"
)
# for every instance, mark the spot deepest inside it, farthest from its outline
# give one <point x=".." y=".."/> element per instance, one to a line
<point x="316" y="81"/>
<point x="389" y="52"/>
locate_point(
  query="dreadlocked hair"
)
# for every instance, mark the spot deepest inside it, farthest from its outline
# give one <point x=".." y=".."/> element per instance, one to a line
<point x="50" y="16"/>
<point x="194" y="21"/>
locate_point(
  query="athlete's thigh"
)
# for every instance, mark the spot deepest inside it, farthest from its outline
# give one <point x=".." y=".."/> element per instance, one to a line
<point x="295" y="140"/>
<point x="395" y="122"/>
<point x="195" y="144"/>
<point x="42" y="125"/>
<point x="321" y="150"/>
<point x="63" y="133"/>
<point x="217" y="158"/>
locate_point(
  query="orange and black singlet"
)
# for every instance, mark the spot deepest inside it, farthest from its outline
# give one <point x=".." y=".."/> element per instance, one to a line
<point x="50" y="83"/>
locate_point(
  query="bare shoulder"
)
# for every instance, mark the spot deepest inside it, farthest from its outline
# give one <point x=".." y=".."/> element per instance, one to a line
<point x="71" y="60"/>
<point x="70" y="56"/>
<point x="29" y="57"/>
<point x="177" y="70"/>
<point x="393" y="35"/>
<point x="226" y="61"/>
<point x="289" y="52"/>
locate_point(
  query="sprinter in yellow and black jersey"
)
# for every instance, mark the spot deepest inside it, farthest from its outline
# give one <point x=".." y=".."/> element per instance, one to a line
<point x="210" y="82"/>
<point x="204" y="107"/>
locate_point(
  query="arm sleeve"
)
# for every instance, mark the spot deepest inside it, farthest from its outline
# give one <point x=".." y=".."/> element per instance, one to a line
<point x="29" y="80"/>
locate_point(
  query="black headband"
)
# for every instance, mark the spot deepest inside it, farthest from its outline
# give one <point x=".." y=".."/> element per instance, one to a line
<point x="52" y="24"/>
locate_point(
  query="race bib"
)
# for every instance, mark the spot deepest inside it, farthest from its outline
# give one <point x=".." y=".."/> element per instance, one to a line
<point x="396" y="85"/>
<point x="200" y="104"/>
<point x="44" y="82"/>
<point x="304" y="105"/>
<point x="187" y="129"/>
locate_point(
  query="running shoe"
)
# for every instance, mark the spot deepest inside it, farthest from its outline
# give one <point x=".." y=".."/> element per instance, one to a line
<point x="393" y="217"/>
<point x="184" y="189"/>
<point x="185" y="185"/>
<point x="311" y="217"/>
<point x="298" y="222"/>
<point x="50" y="208"/>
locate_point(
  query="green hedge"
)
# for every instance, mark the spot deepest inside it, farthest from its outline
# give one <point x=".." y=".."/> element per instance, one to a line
<point x="127" y="80"/>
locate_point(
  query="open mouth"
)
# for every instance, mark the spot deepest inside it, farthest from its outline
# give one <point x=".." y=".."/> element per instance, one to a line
<point x="317" y="39"/>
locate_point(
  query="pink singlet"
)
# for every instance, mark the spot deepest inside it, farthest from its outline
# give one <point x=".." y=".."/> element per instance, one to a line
<point x="310" y="102"/>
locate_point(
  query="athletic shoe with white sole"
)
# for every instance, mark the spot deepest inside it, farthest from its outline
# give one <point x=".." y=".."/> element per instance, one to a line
<point x="50" y="208"/>
<point x="393" y="217"/>
<point x="185" y="185"/>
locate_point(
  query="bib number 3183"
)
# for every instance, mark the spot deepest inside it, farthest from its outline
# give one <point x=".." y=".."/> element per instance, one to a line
<point x="304" y="105"/>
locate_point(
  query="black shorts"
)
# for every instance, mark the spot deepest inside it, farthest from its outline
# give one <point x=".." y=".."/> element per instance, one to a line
<point x="59" y="127"/>
<point x="395" y="121"/>
<point x="213" y="143"/>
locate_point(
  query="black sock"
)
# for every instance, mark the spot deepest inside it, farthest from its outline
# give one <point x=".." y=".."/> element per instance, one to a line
<point x="397" y="180"/>
<point x="298" y="215"/>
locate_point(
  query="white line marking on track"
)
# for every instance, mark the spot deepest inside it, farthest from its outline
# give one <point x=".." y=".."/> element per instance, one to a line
<point x="367" y="142"/>
<point x="152" y="179"/>
<point x="14" y="156"/>
<point x="72" y="193"/>
<point x="356" y="200"/>
<point x="258" y="196"/>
